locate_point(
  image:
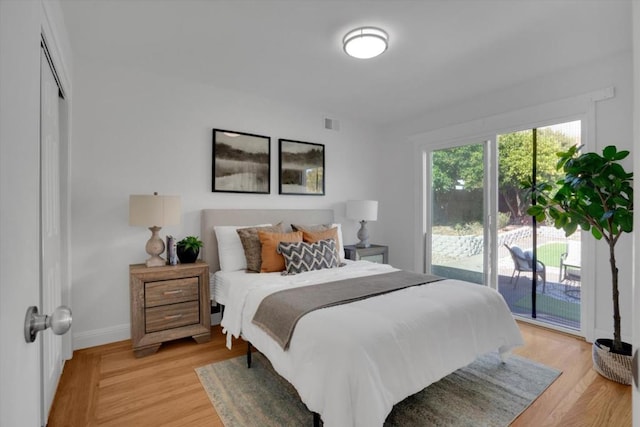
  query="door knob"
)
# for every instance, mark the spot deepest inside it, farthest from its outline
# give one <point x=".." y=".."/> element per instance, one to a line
<point x="59" y="322"/>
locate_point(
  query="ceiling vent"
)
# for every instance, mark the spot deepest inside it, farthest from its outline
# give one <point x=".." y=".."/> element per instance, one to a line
<point x="331" y="124"/>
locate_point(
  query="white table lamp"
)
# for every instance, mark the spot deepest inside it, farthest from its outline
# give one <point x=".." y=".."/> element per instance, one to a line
<point x="155" y="212"/>
<point x="363" y="211"/>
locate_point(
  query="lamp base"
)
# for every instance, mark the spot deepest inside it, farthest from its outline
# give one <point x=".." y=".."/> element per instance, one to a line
<point x="363" y="236"/>
<point x="155" y="246"/>
<point x="156" y="261"/>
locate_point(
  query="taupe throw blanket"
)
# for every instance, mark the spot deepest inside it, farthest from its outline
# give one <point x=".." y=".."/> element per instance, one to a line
<point x="279" y="312"/>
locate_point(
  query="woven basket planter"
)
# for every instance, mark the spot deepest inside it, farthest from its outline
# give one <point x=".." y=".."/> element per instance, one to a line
<point x="613" y="366"/>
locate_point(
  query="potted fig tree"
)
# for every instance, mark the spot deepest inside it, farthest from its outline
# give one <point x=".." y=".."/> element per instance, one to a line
<point x="594" y="195"/>
<point x="188" y="249"/>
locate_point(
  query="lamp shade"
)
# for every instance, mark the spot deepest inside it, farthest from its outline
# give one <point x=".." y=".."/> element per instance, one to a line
<point x="362" y="210"/>
<point x="153" y="210"/>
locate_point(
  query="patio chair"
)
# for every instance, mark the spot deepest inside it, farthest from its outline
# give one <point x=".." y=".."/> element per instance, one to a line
<point x="570" y="263"/>
<point x="523" y="262"/>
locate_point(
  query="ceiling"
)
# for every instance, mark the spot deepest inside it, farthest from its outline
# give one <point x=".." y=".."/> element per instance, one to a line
<point x="441" y="51"/>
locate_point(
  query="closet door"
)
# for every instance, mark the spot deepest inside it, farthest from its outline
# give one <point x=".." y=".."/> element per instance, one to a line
<point x="51" y="280"/>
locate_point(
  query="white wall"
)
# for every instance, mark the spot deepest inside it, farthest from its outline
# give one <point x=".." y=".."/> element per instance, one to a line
<point x="613" y="126"/>
<point x="135" y="133"/>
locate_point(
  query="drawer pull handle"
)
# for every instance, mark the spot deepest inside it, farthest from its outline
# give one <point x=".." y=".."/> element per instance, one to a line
<point x="172" y="317"/>
<point x="179" y="291"/>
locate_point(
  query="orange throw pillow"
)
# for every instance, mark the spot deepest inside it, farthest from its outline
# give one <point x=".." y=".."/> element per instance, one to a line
<point x="271" y="259"/>
<point x="314" y="236"/>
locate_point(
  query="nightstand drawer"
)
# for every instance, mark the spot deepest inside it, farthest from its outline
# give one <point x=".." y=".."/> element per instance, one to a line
<point x="171" y="316"/>
<point x="374" y="253"/>
<point x="373" y="258"/>
<point x="165" y="292"/>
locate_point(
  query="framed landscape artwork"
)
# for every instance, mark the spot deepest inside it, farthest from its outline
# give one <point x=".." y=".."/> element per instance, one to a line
<point x="301" y="168"/>
<point x="241" y="162"/>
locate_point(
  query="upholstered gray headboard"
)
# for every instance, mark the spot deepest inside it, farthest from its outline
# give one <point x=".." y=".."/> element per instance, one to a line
<point x="213" y="217"/>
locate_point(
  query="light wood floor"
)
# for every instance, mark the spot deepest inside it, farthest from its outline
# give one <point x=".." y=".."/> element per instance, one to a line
<point x="108" y="386"/>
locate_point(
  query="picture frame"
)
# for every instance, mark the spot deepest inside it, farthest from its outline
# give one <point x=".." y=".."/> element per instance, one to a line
<point x="241" y="162"/>
<point x="301" y="168"/>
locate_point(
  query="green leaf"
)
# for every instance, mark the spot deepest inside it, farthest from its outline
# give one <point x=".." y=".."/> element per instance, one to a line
<point x="596" y="233"/>
<point x="609" y="152"/>
<point x="621" y="155"/>
<point x="616" y="170"/>
<point x="625" y="219"/>
<point x="570" y="228"/>
<point x="535" y="210"/>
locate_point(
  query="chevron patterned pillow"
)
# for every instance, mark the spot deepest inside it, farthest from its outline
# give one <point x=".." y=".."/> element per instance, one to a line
<point x="301" y="256"/>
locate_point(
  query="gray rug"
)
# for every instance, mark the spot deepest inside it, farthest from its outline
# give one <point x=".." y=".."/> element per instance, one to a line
<point x="485" y="393"/>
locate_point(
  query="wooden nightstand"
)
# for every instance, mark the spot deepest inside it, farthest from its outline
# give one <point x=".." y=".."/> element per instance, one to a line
<point x="167" y="303"/>
<point x="374" y="253"/>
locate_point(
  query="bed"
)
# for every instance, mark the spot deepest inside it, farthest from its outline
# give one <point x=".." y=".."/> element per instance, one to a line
<point x="351" y="363"/>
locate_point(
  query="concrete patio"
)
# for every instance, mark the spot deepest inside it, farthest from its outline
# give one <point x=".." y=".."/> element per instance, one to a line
<point x="559" y="304"/>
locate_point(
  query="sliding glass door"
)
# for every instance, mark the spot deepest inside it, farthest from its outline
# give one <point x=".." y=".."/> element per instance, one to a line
<point x="457" y="212"/>
<point x="538" y="267"/>
<point x="534" y="266"/>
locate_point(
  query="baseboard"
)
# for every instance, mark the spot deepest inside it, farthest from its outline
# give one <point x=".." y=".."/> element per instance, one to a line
<point x="101" y="336"/>
<point x="113" y="334"/>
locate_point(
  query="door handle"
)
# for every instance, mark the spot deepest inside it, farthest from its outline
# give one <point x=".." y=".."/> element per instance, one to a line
<point x="59" y="322"/>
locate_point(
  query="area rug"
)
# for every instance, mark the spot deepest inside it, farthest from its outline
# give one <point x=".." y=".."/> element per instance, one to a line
<point x="485" y="393"/>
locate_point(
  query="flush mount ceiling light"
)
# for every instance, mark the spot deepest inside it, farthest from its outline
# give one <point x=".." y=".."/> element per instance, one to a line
<point x="365" y="42"/>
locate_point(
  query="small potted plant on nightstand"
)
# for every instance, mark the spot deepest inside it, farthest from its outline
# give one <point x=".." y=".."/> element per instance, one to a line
<point x="188" y="249"/>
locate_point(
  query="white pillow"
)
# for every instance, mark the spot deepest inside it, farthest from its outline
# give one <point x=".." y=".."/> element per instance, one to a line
<point x="230" y="250"/>
<point x="340" y="241"/>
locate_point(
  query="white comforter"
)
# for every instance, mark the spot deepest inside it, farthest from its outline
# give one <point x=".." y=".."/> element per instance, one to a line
<point x="351" y="363"/>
